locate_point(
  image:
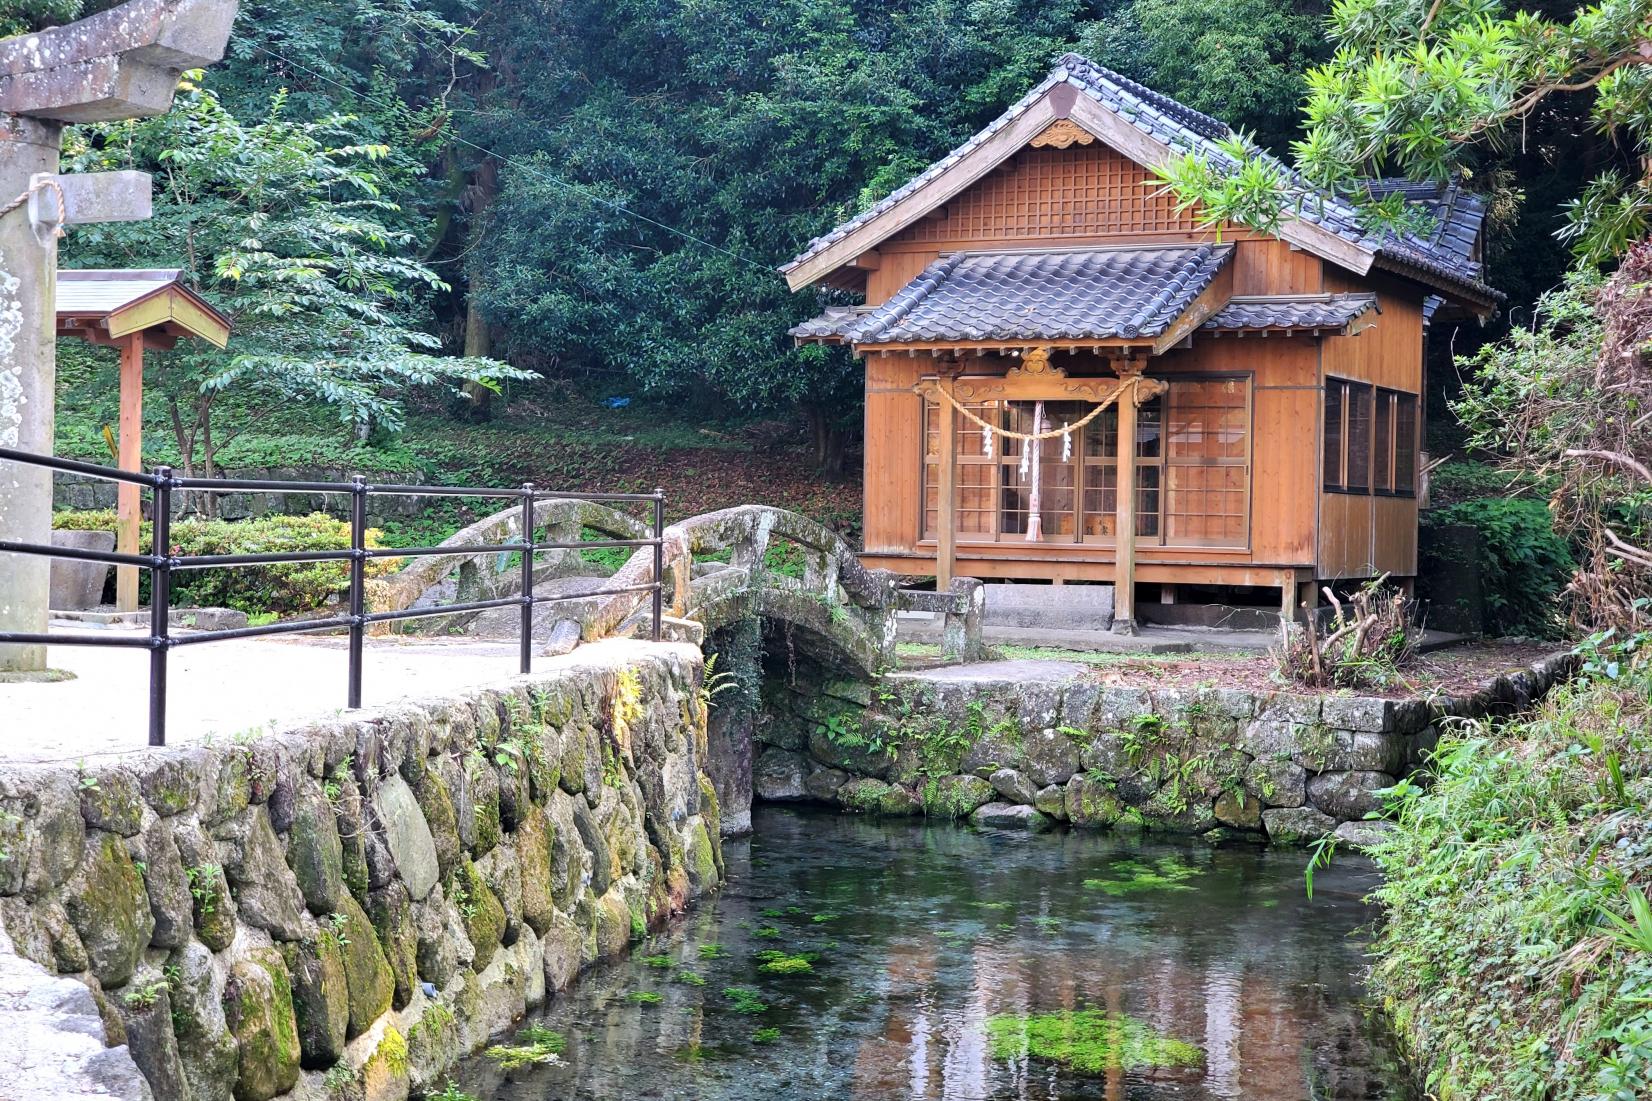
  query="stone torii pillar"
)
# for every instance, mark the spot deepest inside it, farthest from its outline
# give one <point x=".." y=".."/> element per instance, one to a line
<point x="119" y="64"/>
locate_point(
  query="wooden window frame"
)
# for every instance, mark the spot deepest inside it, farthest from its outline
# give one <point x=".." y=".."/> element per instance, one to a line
<point x="1390" y="443"/>
<point x="1086" y="468"/>
<point x="1346" y="392"/>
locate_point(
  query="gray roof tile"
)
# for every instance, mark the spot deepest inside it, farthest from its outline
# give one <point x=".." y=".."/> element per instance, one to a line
<point x="1442" y="261"/>
<point x="1298" y="311"/>
<point x="1068" y="295"/>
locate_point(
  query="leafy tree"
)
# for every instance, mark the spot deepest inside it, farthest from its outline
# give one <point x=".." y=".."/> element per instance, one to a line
<point x="285" y="226"/>
<point x="1422" y="87"/>
<point x="1242" y="61"/>
<point x="23" y="16"/>
<point x="1567" y="398"/>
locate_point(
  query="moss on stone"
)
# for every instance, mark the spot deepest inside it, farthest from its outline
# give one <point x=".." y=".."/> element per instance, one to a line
<point x="955" y="796"/>
<point x="258" y="1005"/>
<point x="368" y="976"/>
<point x="321" y="998"/>
<point x="1092" y="802"/>
<point x="488" y="825"/>
<point x="703" y="869"/>
<point x="108" y="906"/>
<point x="480" y="911"/>
<point x="436" y="804"/>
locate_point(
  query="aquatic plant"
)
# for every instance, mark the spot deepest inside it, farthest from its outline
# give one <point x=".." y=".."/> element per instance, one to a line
<point x="645" y="997"/>
<point x="692" y="978"/>
<point x="535" y="1046"/>
<point x="745" y="1000"/>
<point x="773" y="912"/>
<point x="768" y="932"/>
<point x="1165" y="874"/>
<point x="1087" y="1041"/>
<point x="711" y="951"/>
<point x="765" y="1036"/>
<point x="659" y="963"/>
<point x="1048" y="923"/>
<point x="775" y="962"/>
<point x="822" y="918"/>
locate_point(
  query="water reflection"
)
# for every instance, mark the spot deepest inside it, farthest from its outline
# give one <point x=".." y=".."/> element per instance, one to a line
<point x="918" y="935"/>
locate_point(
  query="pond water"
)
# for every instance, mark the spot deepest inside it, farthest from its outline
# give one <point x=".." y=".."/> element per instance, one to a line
<point x="850" y="958"/>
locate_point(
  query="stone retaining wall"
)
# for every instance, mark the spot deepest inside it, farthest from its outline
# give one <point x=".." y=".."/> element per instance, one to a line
<point x="1009" y="747"/>
<point x="344" y="910"/>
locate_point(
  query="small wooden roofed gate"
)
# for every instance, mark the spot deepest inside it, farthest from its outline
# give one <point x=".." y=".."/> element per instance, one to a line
<point x="133" y="310"/>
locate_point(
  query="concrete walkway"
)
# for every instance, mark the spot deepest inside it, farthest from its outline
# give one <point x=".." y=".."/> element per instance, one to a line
<point x="224" y="689"/>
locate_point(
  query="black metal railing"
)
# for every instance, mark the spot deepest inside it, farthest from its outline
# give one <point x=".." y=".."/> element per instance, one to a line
<point x="161" y="567"/>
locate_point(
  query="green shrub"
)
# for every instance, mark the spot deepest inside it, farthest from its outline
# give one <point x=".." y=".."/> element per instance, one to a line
<point x="1524" y="565"/>
<point x="285" y="588"/>
<point x="1516" y="955"/>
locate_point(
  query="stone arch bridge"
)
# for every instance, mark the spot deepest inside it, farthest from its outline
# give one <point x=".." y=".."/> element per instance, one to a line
<point x="737" y="566"/>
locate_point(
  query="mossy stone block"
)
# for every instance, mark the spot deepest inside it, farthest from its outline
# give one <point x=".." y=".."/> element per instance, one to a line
<point x="315" y="852"/>
<point x="258" y="1006"/>
<point x="108" y="906"/>
<point x="480" y="911"/>
<point x="321" y="998"/>
<point x="367" y="973"/>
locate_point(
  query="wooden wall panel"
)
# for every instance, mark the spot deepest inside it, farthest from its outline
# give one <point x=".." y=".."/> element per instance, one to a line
<point x="1079" y="191"/>
<point x="893" y="452"/>
<point x="1394" y="536"/>
<point x="1387" y="347"/>
<point x="1269" y="266"/>
<point x="1345" y="521"/>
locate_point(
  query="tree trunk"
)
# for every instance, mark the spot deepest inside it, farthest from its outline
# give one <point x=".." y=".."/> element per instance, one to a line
<point x="478" y="338"/>
<point x="829" y="441"/>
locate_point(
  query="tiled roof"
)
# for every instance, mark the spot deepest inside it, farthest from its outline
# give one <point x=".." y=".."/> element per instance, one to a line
<point x="1185" y="130"/>
<point x="834" y="323"/>
<point x="1291" y="312"/>
<point x="1070" y="295"/>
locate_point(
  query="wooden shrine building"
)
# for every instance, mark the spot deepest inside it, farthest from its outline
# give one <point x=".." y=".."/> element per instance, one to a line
<point x="1035" y="306"/>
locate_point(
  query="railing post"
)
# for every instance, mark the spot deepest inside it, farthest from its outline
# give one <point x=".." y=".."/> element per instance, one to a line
<point x="526" y="640"/>
<point x="160" y="604"/>
<point x="358" y="581"/>
<point x="659" y="563"/>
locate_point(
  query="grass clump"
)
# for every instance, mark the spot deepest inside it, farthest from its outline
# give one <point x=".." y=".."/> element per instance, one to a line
<point x="1087" y="1041"/>
<point x="1165" y="874"/>
<point x="1516" y="955"/>
<point x="535" y="1046"/>
<point x="743" y="999"/>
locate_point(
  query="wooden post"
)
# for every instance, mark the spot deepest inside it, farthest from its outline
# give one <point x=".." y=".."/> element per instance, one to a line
<point x="129" y="515"/>
<point x="946" y="503"/>
<point x="1124" y="559"/>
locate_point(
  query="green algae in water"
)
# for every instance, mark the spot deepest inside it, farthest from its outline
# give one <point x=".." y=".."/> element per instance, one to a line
<point x="1088" y="1041"/>
<point x="775" y="962"/>
<point x="712" y="951"/>
<point x="1165" y="874"/>
<point x="660" y="963"/>
<point x="535" y="1046"/>
<point x="692" y="978"/>
<point x="745" y="1000"/>
<point x="645" y="997"/>
<point x="768" y="932"/>
<point x="765" y="1036"/>
<point x="821" y="919"/>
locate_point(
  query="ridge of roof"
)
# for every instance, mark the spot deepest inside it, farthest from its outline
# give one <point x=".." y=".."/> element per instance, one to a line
<point x="1185" y="130"/>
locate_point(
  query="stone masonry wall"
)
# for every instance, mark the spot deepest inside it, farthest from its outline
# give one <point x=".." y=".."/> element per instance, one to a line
<point x="1008" y="747"/>
<point x="344" y="910"/>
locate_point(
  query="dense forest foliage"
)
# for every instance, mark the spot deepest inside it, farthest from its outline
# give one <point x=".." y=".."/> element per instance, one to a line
<point x="600" y="191"/>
